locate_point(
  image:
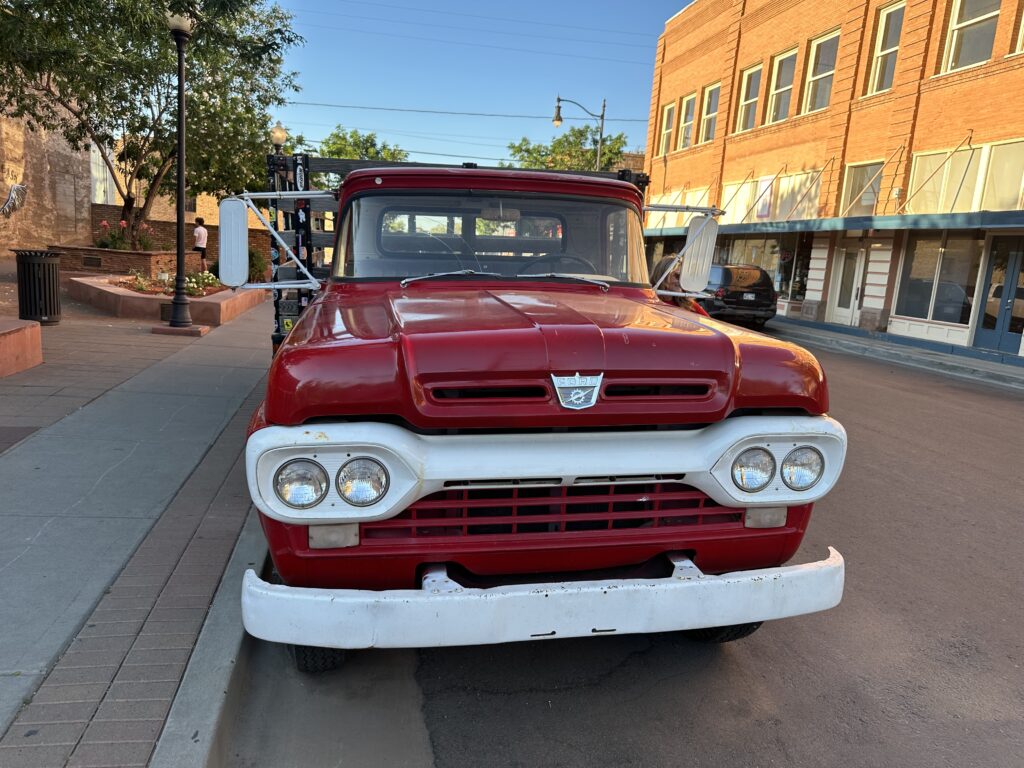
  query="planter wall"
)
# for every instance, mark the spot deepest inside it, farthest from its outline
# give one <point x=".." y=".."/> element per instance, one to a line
<point x="21" y="345"/>
<point x="214" y="310"/>
<point x="74" y="258"/>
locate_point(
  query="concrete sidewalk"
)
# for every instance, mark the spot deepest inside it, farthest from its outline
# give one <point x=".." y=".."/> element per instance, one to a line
<point x="958" y="366"/>
<point x="77" y="497"/>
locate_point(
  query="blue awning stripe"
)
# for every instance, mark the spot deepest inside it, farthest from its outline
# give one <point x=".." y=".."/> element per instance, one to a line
<point x="971" y="220"/>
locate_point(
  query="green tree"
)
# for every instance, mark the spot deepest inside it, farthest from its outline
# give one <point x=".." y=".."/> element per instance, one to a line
<point x="103" y="72"/>
<point x="354" y="145"/>
<point x="573" y="150"/>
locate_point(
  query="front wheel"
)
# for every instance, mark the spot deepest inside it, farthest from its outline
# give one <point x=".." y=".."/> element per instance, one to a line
<point x="313" y="661"/>
<point x="723" y="634"/>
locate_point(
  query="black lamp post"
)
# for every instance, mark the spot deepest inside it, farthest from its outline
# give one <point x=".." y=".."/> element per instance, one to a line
<point x="557" y="121"/>
<point x="181" y="30"/>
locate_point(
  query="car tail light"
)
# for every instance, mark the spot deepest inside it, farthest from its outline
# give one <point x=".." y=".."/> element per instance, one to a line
<point x="720" y="293"/>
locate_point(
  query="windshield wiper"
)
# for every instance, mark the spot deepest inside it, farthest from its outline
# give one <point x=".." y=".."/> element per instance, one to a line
<point x="456" y="273"/>
<point x="566" y="276"/>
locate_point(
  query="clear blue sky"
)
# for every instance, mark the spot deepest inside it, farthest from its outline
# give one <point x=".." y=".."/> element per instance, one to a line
<point x="472" y="56"/>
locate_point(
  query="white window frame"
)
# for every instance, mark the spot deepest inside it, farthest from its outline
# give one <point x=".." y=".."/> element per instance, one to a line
<point x="704" y="116"/>
<point x="668" y="113"/>
<point x="979" y="184"/>
<point x="745" y="100"/>
<point x="692" y="98"/>
<point x="879" y="52"/>
<point x="954" y="28"/>
<point x="1020" y="38"/>
<point x="845" y="202"/>
<point x="816" y="43"/>
<point x="774" y="92"/>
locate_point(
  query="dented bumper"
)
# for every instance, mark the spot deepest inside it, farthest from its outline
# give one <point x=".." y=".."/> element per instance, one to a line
<point x="444" y="613"/>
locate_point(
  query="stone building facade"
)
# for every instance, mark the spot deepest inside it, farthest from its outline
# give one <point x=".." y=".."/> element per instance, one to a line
<point x="868" y="153"/>
<point x="56" y="209"/>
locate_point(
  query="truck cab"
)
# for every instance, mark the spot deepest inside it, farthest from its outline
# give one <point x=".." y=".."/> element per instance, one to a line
<point x="488" y="427"/>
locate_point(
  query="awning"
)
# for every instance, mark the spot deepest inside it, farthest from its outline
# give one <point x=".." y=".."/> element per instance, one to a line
<point x="971" y="220"/>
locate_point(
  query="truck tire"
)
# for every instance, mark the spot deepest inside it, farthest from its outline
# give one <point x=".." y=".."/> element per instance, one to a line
<point x="723" y="634"/>
<point x="313" y="661"/>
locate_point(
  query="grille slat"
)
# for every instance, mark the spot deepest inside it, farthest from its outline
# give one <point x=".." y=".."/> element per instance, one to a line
<point x="517" y="513"/>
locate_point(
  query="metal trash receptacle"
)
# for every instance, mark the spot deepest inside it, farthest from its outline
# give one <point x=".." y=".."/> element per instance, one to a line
<point x="38" y="286"/>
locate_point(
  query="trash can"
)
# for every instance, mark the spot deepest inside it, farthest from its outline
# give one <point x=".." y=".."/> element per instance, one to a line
<point x="39" y="286"/>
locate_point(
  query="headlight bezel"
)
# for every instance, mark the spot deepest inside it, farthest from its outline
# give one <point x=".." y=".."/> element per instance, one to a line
<point x="771" y="475"/>
<point x="384" y="490"/>
<point x="297" y="460"/>
<point x="821" y="472"/>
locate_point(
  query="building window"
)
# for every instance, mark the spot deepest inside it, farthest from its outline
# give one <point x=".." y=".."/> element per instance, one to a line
<point x="940" y="271"/>
<point x="822" y="68"/>
<point x="1004" y="182"/>
<point x="668" y="117"/>
<point x="862" y="188"/>
<point x="750" y="87"/>
<point x="798" y="195"/>
<point x="709" y="113"/>
<point x="972" y="30"/>
<point x="944" y="183"/>
<point x="781" y="86"/>
<point x="887" y="43"/>
<point x="688" y="117"/>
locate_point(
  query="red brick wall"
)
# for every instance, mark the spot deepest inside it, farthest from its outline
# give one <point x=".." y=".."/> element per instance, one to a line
<point x="83" y="259"/>
<point x="164" y="233"/>
<point x="925" y="109"/>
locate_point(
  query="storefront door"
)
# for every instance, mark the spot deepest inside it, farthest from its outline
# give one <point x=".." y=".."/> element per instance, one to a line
<point x="847" y="281"/>
<point x="1002" y="314"/>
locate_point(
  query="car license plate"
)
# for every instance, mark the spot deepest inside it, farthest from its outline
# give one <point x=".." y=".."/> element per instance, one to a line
<point x="748" y="297"/>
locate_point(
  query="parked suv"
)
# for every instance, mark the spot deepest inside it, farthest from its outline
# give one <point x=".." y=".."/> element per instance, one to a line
<point x="742" y="294"/>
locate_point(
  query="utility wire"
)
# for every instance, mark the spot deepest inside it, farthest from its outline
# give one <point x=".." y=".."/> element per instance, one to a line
<point x="437" y="154"/>
<point x="450" y="112"/>
<point x="420" y="38"/>
<point x="532" y="35"/>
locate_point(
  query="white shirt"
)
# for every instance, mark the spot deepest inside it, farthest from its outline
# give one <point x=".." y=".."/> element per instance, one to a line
<point x="201" y="234"/>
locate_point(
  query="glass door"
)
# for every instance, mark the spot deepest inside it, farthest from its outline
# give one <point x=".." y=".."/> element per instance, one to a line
<point x="1001" y="324"/>
<point x="849" y="274"/>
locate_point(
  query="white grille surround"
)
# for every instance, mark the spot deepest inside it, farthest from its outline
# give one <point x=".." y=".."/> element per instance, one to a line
<point x="420" y="465"/>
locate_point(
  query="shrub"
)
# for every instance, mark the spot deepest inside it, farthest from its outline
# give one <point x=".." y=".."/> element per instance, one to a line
<point x="257" y="266"/>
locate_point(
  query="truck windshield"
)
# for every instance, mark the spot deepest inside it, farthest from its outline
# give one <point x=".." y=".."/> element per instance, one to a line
<point x="514" y="236"/>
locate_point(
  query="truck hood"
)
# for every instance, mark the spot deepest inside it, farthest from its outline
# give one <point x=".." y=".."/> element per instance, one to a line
<point x="466" y="356"/>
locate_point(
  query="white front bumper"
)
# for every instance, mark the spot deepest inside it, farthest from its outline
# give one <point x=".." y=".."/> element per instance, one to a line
<point x="444" y="613"/>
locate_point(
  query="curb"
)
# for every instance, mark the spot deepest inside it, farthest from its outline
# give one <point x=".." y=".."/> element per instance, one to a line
<point x="209" y="694"/>
<point x="951" y="368"/>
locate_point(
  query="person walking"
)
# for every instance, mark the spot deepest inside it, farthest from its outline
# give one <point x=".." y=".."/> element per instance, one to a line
<point x="201" y="234"/>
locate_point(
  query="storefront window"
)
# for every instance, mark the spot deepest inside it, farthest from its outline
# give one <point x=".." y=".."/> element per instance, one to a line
<point x="952" y="258"/>
<point x="794" y="266"/>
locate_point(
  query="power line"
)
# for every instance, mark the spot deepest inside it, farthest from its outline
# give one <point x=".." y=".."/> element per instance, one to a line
<point x="479" y="45"/>
<point x="532" y="35"/>
<point x="452" y="138"/>
<point x="436" y="154"/>
<point x="464" y="114"/>
<point x="460" y="14"/>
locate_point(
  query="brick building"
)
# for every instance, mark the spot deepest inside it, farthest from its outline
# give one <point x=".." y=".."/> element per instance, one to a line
<point x="870" y="155"/>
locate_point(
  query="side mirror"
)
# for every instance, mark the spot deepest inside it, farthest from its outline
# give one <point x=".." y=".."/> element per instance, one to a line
<point x="233" y="264"/>
<point x="695" y="271"/>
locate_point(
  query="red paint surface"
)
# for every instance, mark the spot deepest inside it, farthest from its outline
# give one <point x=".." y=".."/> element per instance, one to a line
<point x="376" y="350"/>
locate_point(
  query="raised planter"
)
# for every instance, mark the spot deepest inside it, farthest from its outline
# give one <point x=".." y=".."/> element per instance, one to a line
<point x="76" y="258"/>
<point x="217" y="309"/>
<point x="21" y="345"/>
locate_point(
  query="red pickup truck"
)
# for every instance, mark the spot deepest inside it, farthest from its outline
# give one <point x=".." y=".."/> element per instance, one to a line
<point x="488" y="428"/>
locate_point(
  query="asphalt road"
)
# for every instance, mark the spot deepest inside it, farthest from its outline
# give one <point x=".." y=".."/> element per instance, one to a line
<point x="920" y="665"/>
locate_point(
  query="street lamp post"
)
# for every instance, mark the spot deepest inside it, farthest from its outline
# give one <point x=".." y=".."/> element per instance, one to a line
<point x="557" y="120"/>
<point x="181" y="30"/>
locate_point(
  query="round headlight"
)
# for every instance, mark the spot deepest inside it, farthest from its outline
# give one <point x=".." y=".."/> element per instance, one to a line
<point x="362" y="481"/>
<point x="753" y="469"/>
<point x="301" y="483"/>
<point x="802" y="468"/>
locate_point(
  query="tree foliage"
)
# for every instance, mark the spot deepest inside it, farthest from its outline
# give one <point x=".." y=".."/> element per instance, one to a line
<point x="574" y="150"/>
<point x="354" y="145"/>
<point x="104" y="72"/>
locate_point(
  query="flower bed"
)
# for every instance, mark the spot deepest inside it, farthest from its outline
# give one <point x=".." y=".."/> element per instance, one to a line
<point x="82" y="258"/>
<point x="198" y="284"/>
